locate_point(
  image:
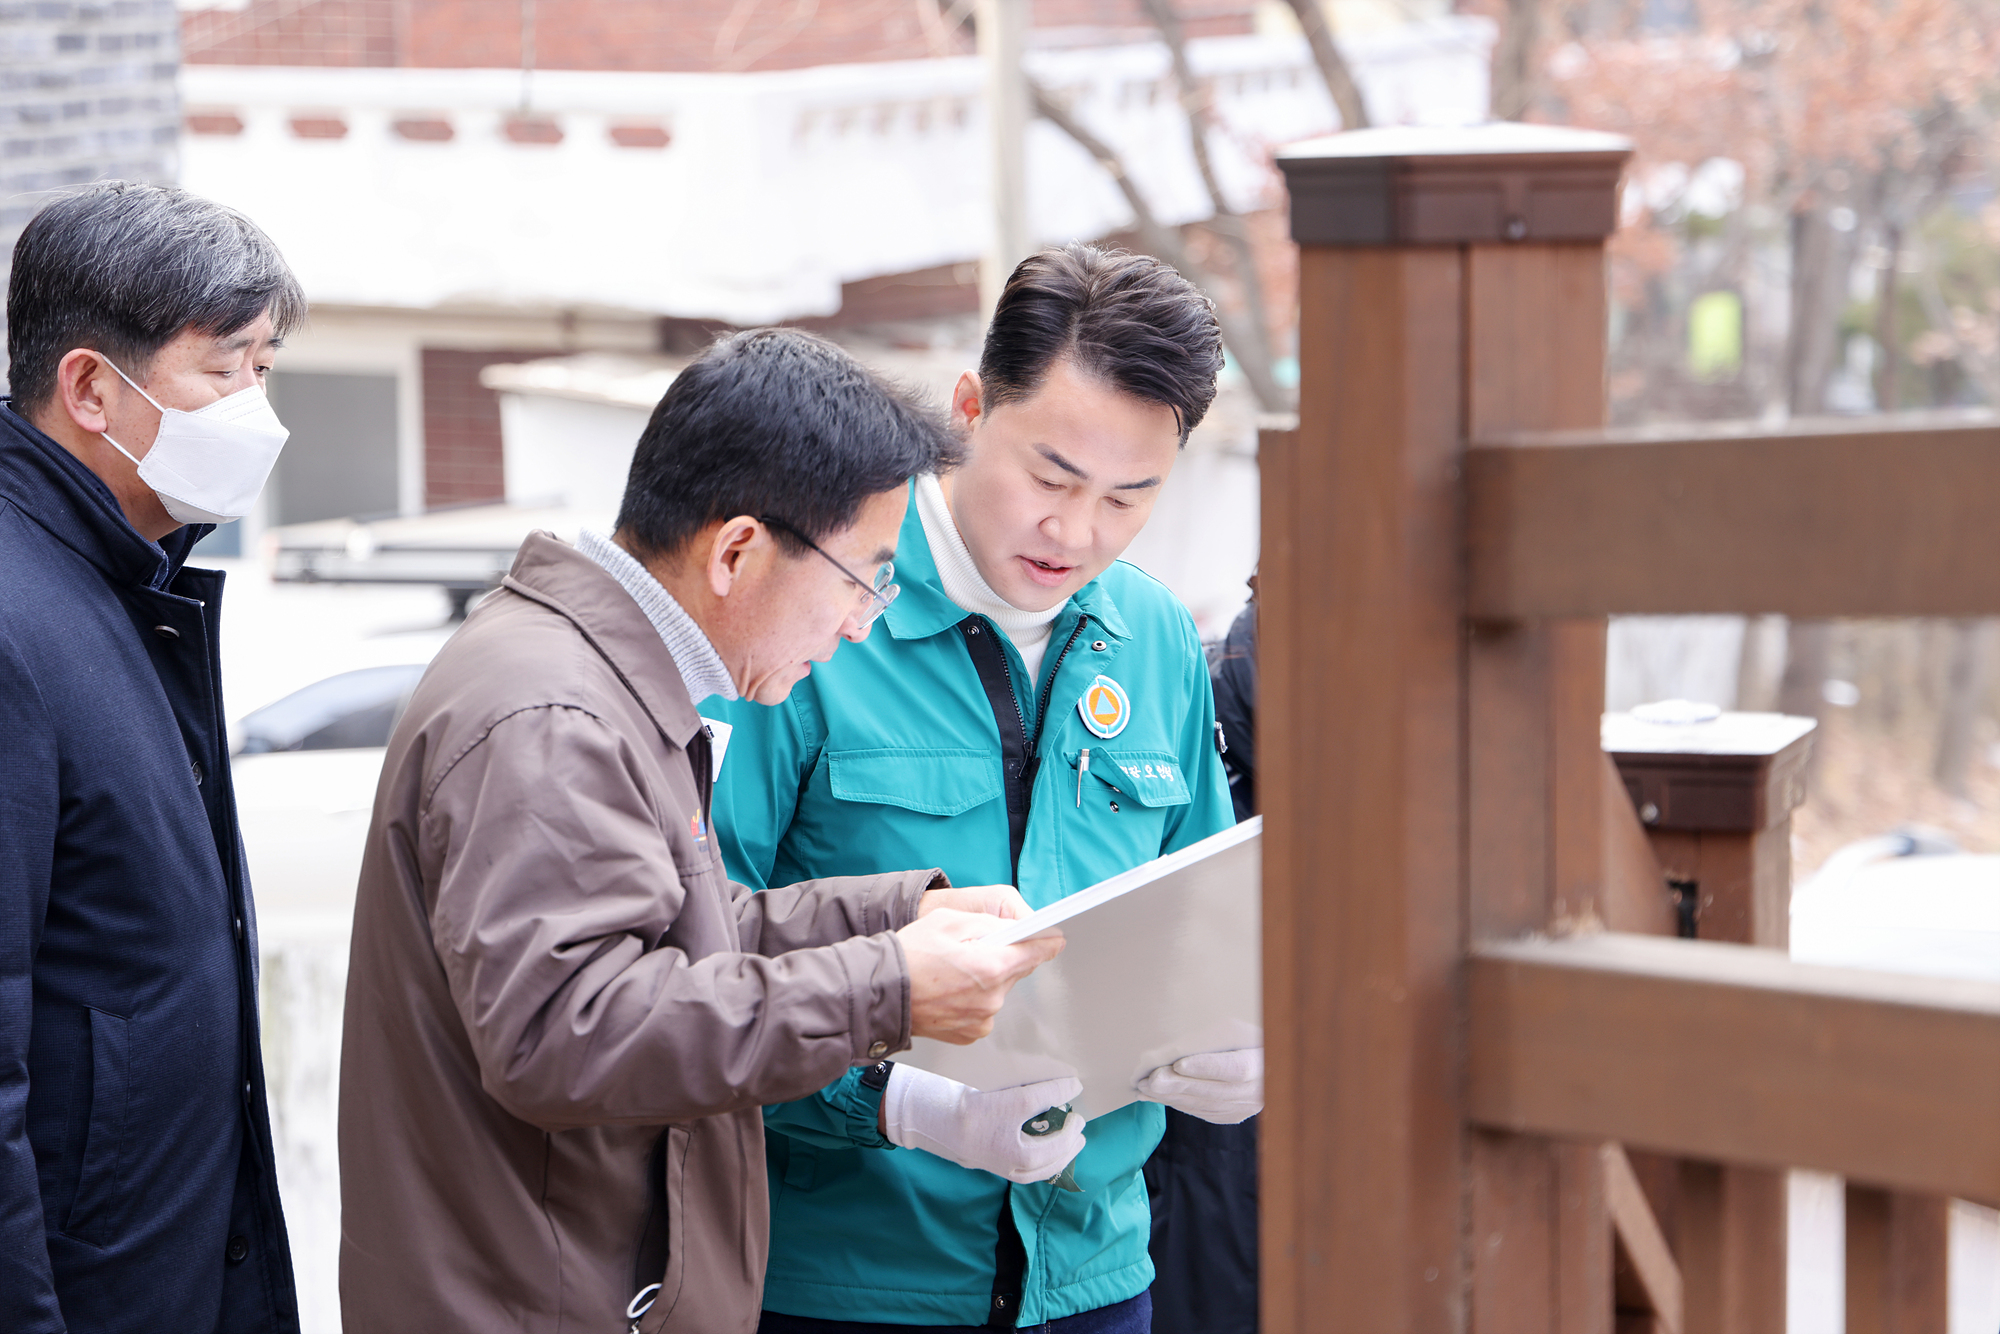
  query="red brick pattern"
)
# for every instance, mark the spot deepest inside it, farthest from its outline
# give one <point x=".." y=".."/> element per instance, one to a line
<point x="633" y="134"/>
<point x="926" y="294"/>
<point x="423" y="129"/>
<point x="212" y="122"/>
<point x="685" y="35"/>
<point x="462" y="456"/>
<point x="286" y="32"/>
<point x="532" y="130"/>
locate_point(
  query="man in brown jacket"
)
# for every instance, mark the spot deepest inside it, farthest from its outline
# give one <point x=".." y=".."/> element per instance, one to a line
<point x="562" y="1018"/>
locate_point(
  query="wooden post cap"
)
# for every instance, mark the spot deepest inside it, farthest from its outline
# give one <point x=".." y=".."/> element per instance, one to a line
<point x="1730" y="773"/>
<point x="1408" y="185"/>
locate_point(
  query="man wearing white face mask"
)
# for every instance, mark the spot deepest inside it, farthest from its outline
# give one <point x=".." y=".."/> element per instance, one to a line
<point x="137" y="1189"/>
<point x="208" y="466"/>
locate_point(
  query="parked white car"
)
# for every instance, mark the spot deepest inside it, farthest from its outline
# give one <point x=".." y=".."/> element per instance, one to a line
<point x="1907" y="902"/>
<point x="305" y="768"/>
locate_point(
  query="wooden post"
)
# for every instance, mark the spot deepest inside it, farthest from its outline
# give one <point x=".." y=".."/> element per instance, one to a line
<point x="1421" y="784"/>
<point x="1543" y="1238"/>
<point x="1717" y="798"/>
<point x="1897" y="1261"/>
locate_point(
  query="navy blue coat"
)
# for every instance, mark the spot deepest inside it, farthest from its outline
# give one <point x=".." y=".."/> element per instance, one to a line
<point x="137" y="1189"/>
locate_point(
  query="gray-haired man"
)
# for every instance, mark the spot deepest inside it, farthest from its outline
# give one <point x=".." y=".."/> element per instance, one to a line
<point x="137" y="1189"/>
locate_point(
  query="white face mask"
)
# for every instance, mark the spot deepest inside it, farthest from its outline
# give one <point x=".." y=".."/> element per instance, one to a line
<point x="208" y="466"/>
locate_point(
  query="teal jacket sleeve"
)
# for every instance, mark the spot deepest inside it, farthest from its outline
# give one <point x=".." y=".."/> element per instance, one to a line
<point x="1209" y="811"/>
<point x="843" y="1115"/>
<point x="770" y="756"/>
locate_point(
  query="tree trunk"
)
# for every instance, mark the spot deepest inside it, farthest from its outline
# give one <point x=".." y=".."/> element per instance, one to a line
<point x="1821" y="258"/>
<point x="1332" y="65"/>
<point x="1888" y="342"/>
<point x="1965" y="691"/>
<point x="1802" y="689"/>
<point x="1516" y="60"/>
<point x="1760" y="663"/>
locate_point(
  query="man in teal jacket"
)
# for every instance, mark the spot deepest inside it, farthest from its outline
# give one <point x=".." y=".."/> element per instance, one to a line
<point x="1037" y="713"/>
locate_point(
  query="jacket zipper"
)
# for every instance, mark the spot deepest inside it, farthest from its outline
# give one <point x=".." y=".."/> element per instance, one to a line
<point x="983" y="644"/>
<point x="1020" y="751"/>
<point x="1041" y="717"/>
<point x="1013" y="691"/>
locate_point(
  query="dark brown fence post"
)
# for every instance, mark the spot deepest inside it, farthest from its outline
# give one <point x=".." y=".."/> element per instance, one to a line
<point x="1717" y="800"/>
<point x="1422" y="782"/>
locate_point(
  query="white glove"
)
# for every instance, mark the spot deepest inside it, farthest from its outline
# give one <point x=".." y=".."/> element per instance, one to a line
<point x="1220" y="1087"/>
<point x="959" y="1123"/>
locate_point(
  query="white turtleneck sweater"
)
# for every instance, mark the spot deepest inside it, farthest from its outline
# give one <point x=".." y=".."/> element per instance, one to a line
<point x="964" y="585"/>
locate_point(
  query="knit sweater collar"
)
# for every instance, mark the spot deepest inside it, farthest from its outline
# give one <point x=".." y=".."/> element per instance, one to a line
<point x="694" y="656"/>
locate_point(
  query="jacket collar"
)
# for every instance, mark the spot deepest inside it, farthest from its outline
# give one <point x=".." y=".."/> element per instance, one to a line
<point x="550" y="571"/>
<point x="922" y="609"/>
<point x="51" y="487"/>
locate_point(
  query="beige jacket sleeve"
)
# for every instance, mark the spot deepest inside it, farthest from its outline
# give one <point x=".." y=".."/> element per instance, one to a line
<point x="598" y="961"/>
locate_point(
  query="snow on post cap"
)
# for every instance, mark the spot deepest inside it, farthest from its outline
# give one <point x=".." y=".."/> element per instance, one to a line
<point x="1494" y="137"/>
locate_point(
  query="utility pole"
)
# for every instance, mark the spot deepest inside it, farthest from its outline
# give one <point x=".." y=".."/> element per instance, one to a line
<point x="1003" y="35"/>
<point x="527" y="54"/>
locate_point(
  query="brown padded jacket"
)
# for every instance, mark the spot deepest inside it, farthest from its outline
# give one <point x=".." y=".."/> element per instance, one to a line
<point x="562" y="1018"/>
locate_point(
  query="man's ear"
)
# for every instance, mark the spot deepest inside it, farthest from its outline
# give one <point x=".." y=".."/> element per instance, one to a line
<point x="965" y="402"/>
<point x="79" y="389"/>
<point x="733" y="542"/>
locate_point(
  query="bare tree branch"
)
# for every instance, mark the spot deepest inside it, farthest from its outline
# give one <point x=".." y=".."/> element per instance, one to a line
<point x="1253" y="350"/>
<point x="1332" y="65"/>
<point x="1161" y="240"/>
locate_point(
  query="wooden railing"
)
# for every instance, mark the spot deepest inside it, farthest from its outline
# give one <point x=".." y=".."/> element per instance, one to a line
<point x="1738" y="1055"/>
<point x="1475" y="1089"/>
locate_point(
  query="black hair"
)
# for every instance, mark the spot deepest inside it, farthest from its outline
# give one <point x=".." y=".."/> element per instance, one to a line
<point x="777" y="422"/>
<point x="123" y="269"/>
<point x="1127" y="320"/>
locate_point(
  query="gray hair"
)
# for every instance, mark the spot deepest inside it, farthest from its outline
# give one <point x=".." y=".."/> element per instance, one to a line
<point x="124" y="269"/>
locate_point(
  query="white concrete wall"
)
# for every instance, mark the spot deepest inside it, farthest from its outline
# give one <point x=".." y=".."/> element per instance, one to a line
<point x="565" y="451"/>
<point x="777" y="187"/>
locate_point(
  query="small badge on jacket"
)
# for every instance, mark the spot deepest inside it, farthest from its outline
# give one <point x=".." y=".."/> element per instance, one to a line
<point x="1105" y="708"/>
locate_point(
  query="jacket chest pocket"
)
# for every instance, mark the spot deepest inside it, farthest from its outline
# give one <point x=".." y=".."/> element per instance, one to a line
<point x="1122" y="799"/>
<point x="943" y="783"/>
<point x="1152" y="778"/>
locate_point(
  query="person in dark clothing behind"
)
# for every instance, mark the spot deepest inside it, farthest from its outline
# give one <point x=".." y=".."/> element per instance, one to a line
<point x="1203" y="1178"/>
<point x="1233" y="668"/>
<point x="137" y="1188"/>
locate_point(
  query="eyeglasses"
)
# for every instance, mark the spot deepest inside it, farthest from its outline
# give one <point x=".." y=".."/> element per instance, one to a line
<point x="876" y="596"/>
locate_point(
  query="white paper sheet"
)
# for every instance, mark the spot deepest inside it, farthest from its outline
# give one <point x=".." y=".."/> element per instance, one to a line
<point x="718" y="742"/>
<point x="1162" y="962"/>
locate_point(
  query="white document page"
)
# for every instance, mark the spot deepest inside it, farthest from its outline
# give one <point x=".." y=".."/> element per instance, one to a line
<point x="1162" y="961"/>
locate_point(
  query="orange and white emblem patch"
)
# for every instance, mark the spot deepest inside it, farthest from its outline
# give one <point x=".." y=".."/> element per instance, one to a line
<point x="1104" y="708"/>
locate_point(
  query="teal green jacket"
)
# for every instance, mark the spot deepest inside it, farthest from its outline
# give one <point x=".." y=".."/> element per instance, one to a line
<point x="892" y="755"/>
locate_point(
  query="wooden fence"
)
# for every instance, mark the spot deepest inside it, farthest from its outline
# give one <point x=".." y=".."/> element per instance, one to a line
<point x="1487" y="1111"/>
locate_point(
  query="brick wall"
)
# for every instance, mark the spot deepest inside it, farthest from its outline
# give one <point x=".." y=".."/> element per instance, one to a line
<point x="86" y="93"/>
<point x="925" y="294"/>
<point x="285" y="32"/>
<point x="462" y="457"/>
<point x="685" y="35"/>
